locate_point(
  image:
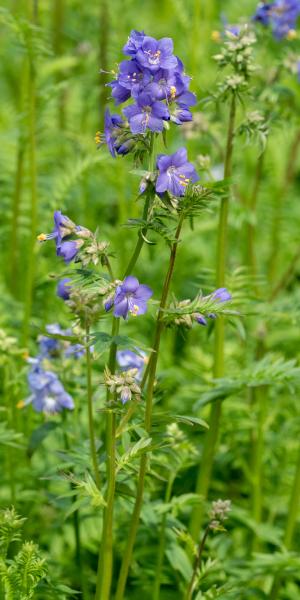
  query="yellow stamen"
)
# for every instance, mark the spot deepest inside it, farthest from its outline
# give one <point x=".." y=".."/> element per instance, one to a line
<point x="21" y="404"/>
<point x="215" y="36"/>
<point x="42" y="237"/>
<point x="25" y="355"/>
<point x="134" y="311"/>
<point x="291" y="34"/>
<point x="173" y="92"/>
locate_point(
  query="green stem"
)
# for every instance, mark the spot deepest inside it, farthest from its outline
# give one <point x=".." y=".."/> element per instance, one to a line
<point x="162" y="541"/>
<point x="251" y="225"/>
<point x="197" y="564"/>
<point x="293" y="513"/>
<point x="33" y="194"/>
<point x="211" y="437"/>
<point x="58" y="39"/>
<point x="277" y="220"/>
<point x="103" y="45"/>
<point x="76" y="521"/>
<point x="105" y="562"/>
<point x="148" y="420"/>
<point x="93" y="446"/>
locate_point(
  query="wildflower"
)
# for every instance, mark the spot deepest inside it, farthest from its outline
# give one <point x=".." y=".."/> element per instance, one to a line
<point x="134" y="42"/>
<point x="112" y="125"/>
<point x="63" y="289"/>
<point x="222" y="295"/>
<point x="280" y="15"/>
<point x="146" y="113"/>
<point x="48" y="394"/>
<point x="130" y="297"/>
<point x="50" y="347"/>
<point x="123" y="384"/>
<point x="175" y="173"/>
<point x="133" y="77"/>
<point x="64" y="228"/>
<point x="130" y="360"/>
<point x="156" y="54"/>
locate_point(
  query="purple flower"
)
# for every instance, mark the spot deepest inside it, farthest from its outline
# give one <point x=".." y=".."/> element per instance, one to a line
<point x="130" y="360"/>
<point x="156" y="54"/>
<point x="68" y="250"/>
<point x="134" y="42"/>
<point x="182" y="113"/>
<point x="48" y="394"/>
<point x="133" y="77"/>
<point x="146" y="114"/>
<point x="222" y="295"/>
<point x="112" y="125"/>
<point x="50" y="347"/>
<point x="130" y="297"/>
<point x="281" y="15"/>
<point x="200" y="319"/>
<point x="63" y="226"/>
<point x="63" y="289"/>
<point x="175" y="173"/>
<point x="119" y="93"/>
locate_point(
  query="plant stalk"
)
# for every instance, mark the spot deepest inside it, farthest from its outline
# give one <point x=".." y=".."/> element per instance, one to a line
<point x="197" y="564"/>
<point x="211" y="437"/>
<point x="162" y="541"/>
<point x="93" y="447"/>
<point x="148" y="420"/>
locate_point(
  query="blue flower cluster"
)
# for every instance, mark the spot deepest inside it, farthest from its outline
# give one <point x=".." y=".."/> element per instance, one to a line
<point x="155" y="80"/>
<point x="48" y="395"/>
<point x="47" y="392"/>
<point x="280" y="15"/>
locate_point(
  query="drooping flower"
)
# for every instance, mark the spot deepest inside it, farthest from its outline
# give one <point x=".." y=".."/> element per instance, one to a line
<point x="156" y="54"/>
<point x="111" y="129"/>
<point x="63" y="288"/>
<point x="48" y="394"/>
<point x="130" y="298"/>
<point x="63" y="230"/>
<point x="175" y="173"/>
<point x="146" y="113"/>
<point x="280" y="15"/>
<point x="131" y="360"/>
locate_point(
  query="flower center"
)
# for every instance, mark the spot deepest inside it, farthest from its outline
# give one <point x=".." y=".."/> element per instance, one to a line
<point x="173" y="92"/>
<point x="134" y="310"/>
<point x="154" y="57"/>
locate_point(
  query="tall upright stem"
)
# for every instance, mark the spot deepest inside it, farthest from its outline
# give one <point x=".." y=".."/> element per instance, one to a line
<point x="33" y="190"/>
<point x="279" y="199"/>
<point x="162" y="541"/>
<point x="251" y="225"/>
<point x="105" y="563"/>
<point x="148" y="421"/>
<point x="93" y="447"/>
<point x="197" y="564"/>
<point x="210" y="440"/>
<point x="103" y="44"/>
<point x="293" y="512"/>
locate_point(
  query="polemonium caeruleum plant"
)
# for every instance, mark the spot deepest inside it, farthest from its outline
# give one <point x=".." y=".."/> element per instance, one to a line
<point x="153" y="83"/>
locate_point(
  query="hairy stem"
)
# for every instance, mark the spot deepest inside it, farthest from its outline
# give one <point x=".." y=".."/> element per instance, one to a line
<point x="30" y="272"/>
<point x="162" y="541"/>
<point x="277" y="220"/>
<point x="93" y="446"/>
<point x="105" y="563"/>
<point x="197" y="564"/>
<point x="210" y="440"/>
<point x="293" y="512"/>
<point x="148" y="420"/>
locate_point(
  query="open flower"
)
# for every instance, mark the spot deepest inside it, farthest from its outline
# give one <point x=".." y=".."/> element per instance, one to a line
<point x="156" y="54"/>
<point x="175" y="173"/>
<point x="48" y="394"/>
<point x="146" y="113"/>
<point x="130" y="298"/>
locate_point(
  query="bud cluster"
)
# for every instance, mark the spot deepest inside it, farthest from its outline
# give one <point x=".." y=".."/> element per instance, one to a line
<point x="219" y="513"/>
<point x="123" y="384"/>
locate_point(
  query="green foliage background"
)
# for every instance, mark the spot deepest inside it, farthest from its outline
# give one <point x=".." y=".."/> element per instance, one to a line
<point x="56" y="61"/>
